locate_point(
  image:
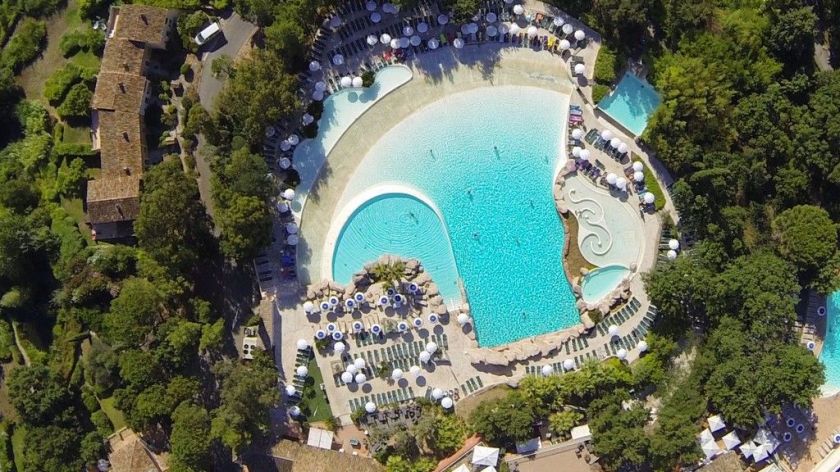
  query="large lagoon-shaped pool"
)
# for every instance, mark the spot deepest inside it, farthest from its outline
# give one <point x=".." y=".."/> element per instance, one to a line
<point x="486" y="160"/>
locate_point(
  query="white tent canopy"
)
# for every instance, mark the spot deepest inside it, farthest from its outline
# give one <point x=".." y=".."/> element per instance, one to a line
<point x="706" y="436"/>
<point x="485" y="456"/>
<point x="711" y="449"/>
<point x="731" y="440"/>
<point x="320" y="438"/>
<point x="747" y="449"/>
<point x="716" y="423"/>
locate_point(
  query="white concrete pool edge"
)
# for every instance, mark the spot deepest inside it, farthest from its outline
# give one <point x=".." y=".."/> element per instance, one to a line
<point x="342" y="216"/>
<point x="304" y="187"/>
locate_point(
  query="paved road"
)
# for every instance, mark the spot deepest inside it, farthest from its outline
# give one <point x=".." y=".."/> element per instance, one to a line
<point x="236" y="33"/>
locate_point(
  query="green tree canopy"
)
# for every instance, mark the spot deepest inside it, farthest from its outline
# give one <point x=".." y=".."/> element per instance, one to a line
<point x="807" y="238"/>
<point x="133" y="313"/>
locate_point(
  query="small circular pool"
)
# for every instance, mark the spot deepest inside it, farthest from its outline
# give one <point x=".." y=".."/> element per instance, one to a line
<point x="599" y="282"/>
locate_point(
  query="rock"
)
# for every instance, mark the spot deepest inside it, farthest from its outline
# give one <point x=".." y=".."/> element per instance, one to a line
<point x="634" y="267"/>
<point x="577" y="290"/>
<point x="422" y="278"/>
<point x="359" y="279"/>
<point x="581" y="305"/>
<point x="604" y="308"/>
<point x="432" y="290"/>
<point x="412" y="265"/>
<point x="310" y="293"/>
<point x="513" y="383"/>
<point x="587" y="321"/>
<point x="584" y="271"/>
<point x="471" y="335"/>
<point x="441" y="310"/>
<point x="436" y="300"/>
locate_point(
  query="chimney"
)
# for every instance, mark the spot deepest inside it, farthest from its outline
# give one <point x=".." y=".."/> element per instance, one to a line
<point x="122" y="87"/>
<point x="120" y="210"/>
<point x="125" y="66"/>
<point x="143" y="17"/>
<point x="125" y="135"/>
<point x="127" y="170"/>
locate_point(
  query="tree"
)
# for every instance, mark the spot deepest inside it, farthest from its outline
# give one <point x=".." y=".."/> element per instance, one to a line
<point x="401" y="464"/>
<point x="76" y="103"/>
<point x="151" y="407"/>
<point x="222" y="66"/>
<point x="92" y="448"/>
<point x="248" y="392"/>
<point x="621" y="21"/>
<point x="246" y="227"/>
<point x="37" y="394"/>
<point x="792" y="36"/>
<point x="286" y="37"/>
<point x="212" y="336"/>
<point x="133" y="313"/>
<point x="101" y="366"/>
<point x="680" y="291"/>
<point x="139" y="368"/>
<point x="448" y="435"/>
<point x="562" y="422"/>
<point x="503" y="421"/>
<point x="807" y="238"/>
<point x="52" y="448"/>
<point x="190" y="438"/>
<point x="172" y="225"/>
<point x="617" y="433"/>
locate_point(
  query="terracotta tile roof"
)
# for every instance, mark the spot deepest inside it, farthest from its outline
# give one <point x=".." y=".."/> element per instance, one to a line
<point x="120" y="92"/>
<point x="728" y="462"/>
<point x="123" y="56"/>
<point x="122" y="143"/>
<point x="113" y="199"/>
<point x="129" y="455"/>
<point x="313" y="459"/>
<point x="143" y="23"/>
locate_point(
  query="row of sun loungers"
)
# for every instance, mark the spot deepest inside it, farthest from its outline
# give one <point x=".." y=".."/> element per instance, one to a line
<point x="403" y="355"/>
<point x="472" y="385"/>
<point x="390" y="397"/>
<point x="619" y="317"/>
<point x="301" y="358"/>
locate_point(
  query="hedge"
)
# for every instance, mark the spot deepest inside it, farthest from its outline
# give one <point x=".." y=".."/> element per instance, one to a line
<point x="76" y="103"/>
<point x="58" y="84"/>
<point x="25" y="45"/>
<point x="605" y="66"/>
<point x="88" y="39"/>
<point x="72" y="150"/>
<point x="599" y="91"/>
<point x="652" y="184"/>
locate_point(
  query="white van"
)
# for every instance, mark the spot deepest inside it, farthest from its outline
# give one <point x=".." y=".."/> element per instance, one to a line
<point x="204" y="35"/>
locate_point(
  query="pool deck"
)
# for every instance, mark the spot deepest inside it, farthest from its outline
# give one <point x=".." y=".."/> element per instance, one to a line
<point x="436" y="75"/>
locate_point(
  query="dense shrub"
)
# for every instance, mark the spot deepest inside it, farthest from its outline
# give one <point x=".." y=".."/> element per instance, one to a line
<point x="6" y="341"/>
<point x="39" y="7"/>
<point x="605" y="66"/>
<point x="25" y="44"/>
<point x="599" y="91"/>
<point x="188" y="26"/>
<point x="8" y="16"/>
<point x="77" y="102"/>
<point x="58" y="84"/>
<point x="88" y="39"/>
<point x="72" y="150"/>
<point x="368" y="78"/>
<point x="90" y="9"/>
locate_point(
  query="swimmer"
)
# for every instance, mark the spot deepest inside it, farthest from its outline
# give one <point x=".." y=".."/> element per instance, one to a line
<point x="475" y="236"/>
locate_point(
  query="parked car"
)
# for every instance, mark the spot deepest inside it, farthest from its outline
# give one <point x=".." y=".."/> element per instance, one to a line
<point x="207" y="33"/>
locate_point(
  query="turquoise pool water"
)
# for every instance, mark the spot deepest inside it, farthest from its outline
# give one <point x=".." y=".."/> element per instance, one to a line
<point x="631" y="103"/>
<point x="601" y="281"/>
<point x="486" y="158"/>
<point x="830" y="355"/>
<point x="401" y="225"/>
<point x="341" y="109"/>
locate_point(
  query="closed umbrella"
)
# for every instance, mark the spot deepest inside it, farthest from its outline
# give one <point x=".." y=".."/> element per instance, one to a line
<point x="359" y="297"/>
<point x="433" y="319"/>
<point x="402" y="326"/>
<point x="338" y="336"/>
<point x="290" y="390"/>
<point x="442" y="19"/>
<point x="532" y="31"/>
<point x="433" y="43"/>
<point x="579" y="35"/>
<point x="332" y="327"/>
<point x="408" y="30"/>
<point x="361" y="378"/>
<point x="437" y="393"/>
<point x="376" y="329"/>
<point x="648" y="198"/>
<point x="638" y="176"/>
<point x="320" y="334"/>
<point x="491" y="17"/>
<point x="349" y="304"/>
<point x="370" y="407"/>
<point x="446" y="402"/>
<point x="325" y="306"/>
<point x="580" y="69"/>
<point x="302" y="344"/>
<point x="417" y="322"/>
<point x="375" y="17"/>
<point x="357" y="326"/>
<point x="547" y="370"/>
<point x="422" y="27"/>
<point x="565" y="44"/>
<point x="568" y="29"/>
<point x="346" y="377"/>
<point x="518" y="10"/>
<point x="385" y="38"/>
<point x="372" y="40"/>
<point x="338" y="59"/>
<point x="638" y="166"/>
<point x="359" y="363"/>
<point x="357" y="82"/>
<point x="302" y="371"/>
<point x="458" y="43"/>
<point x="415" y="40"/>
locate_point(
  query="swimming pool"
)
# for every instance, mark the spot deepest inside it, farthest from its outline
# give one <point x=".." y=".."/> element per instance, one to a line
<point x="398" y="224"/>
<point x="631" y="103"/>
<point x="341" y="109"/>
<point x="601" y="281"/>
<point x="486" y="158"/>
<point x="830" y="355"/>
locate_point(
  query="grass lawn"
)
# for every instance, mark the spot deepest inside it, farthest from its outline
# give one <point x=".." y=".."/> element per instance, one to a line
<point x="314" y="400"/>
<point x="467" y="405"/>
<point x="74" y="208"/>
<point x="76" y="135"/>
<point x="652" y="184"/>
<point x="18" y="438"/>
<point x="115" y="415"/>
<point x="86" y="60"/>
